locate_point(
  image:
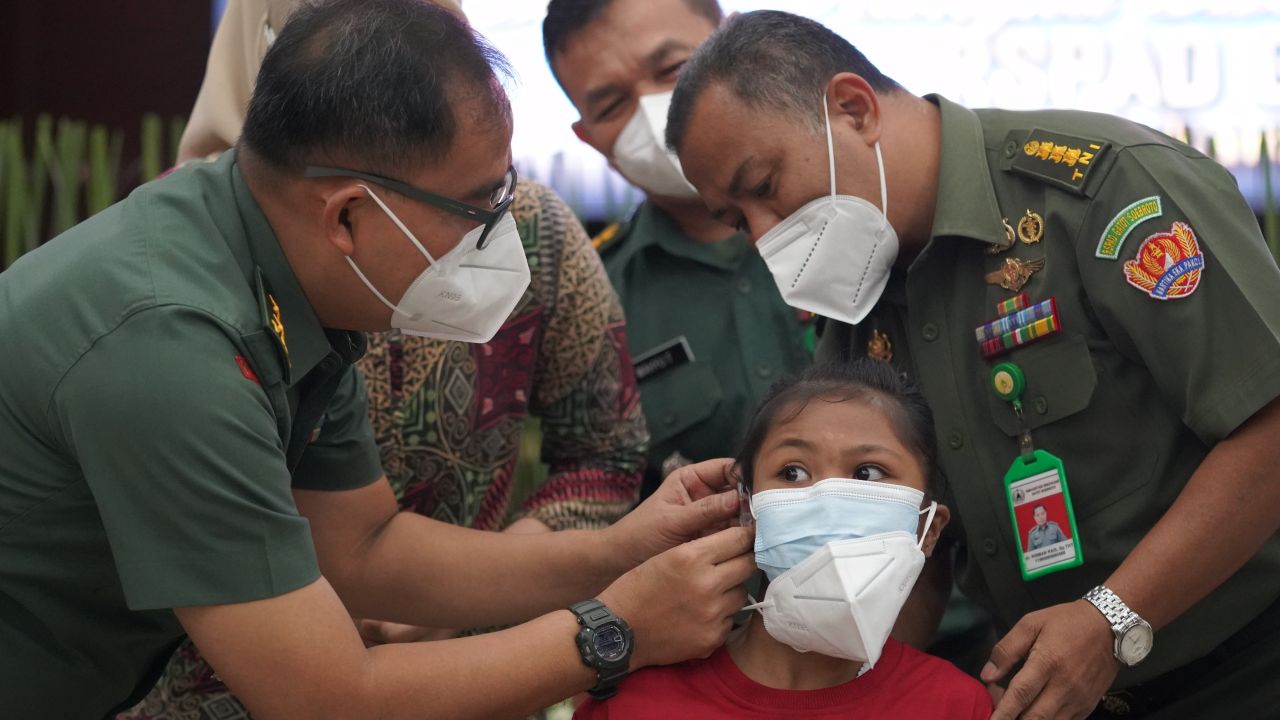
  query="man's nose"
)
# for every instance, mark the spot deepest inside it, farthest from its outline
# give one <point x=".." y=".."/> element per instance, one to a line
<point x="759" y="222"/>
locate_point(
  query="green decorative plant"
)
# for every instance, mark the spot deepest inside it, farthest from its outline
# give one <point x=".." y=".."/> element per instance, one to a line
<point x="104" y="168"/>
<point x="68" y="171"/>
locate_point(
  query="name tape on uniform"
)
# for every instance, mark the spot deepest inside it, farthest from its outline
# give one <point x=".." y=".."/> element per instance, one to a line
<point x="667" y="356"/>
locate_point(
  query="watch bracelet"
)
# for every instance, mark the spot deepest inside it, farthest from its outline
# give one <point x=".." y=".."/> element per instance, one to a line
<point x="1117" y="613"/>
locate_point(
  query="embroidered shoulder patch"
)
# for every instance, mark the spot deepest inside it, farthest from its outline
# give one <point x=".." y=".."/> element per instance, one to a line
<point x="1168" y="265"/>
<point x="1123" y="223"/>
<point x="1058" y="159"/>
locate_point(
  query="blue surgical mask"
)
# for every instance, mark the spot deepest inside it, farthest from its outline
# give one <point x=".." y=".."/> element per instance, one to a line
<point x="794" y="523"/>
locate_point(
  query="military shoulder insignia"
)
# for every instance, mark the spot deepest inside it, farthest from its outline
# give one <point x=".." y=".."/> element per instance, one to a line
<point x="606" y="236"/>
<point x="1052" y="157"/>
<point x="277" y="325"/>
<point x="1117" y="231"/>
<point x="1168" y="265"/>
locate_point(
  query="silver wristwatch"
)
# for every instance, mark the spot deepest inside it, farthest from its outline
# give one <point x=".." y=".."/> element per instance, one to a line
<point x="1133" y="634"/>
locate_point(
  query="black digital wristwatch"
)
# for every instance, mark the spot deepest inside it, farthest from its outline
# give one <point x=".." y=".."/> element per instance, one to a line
<point x="604" y="641"/>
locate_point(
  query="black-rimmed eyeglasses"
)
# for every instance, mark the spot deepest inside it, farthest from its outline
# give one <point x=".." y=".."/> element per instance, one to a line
<point x="500" y="200"/>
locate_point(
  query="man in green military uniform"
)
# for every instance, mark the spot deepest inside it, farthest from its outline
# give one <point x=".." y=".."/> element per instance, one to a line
<point x="707" y="330"/>
<point x="186" y="447"/>
<point x="1076" y="294"/>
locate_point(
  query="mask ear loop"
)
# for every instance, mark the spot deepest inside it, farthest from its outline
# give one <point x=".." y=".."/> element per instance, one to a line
<point x="884" y="190"/>
<point x="399" y="224"/>
<point x="831" y="149"/>
<point x="928" y="522"/>
<point x="831" y="162"/>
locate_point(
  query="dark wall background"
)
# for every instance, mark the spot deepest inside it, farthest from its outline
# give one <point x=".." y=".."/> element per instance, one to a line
<point x="104" y="61"/>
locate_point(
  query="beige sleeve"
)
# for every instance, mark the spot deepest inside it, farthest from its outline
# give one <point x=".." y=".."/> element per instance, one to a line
<point x="242" y="39"/>
<point x="238" y="47"/>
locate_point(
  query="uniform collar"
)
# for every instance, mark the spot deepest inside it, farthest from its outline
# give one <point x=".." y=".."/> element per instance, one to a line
<point x="653" y="226"/>
<point x="966" y="204"/>
<point x="286" y="313"/>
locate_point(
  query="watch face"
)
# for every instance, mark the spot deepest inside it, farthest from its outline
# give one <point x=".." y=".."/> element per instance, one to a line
<point x="1135" y="644"/>
<point x="610" y="644"/>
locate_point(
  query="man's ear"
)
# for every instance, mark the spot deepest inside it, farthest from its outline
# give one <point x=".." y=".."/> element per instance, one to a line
<point x="941" y="517"/>
<point x="851" y="99"/>
<point x="341" y="206"/>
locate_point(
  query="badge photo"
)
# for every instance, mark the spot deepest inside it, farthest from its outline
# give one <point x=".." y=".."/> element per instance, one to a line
<point x="1044" y="522"/>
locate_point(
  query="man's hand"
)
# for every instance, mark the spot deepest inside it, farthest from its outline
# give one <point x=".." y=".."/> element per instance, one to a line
<point x="692" y="501"/>
<point x="1070" y="663"/>
<point x="681" y="603"/>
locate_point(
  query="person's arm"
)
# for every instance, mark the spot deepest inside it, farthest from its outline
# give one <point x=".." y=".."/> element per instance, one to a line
<point x="297" y="655"/>
<point x="1224" y="390"/>
<point x="1175" y="565"/>
<point x="388" y="565"/>
<point x="584" y="389"/>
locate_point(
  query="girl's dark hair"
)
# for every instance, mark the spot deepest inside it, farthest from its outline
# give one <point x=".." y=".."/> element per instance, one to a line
<point x="859" y="380"/>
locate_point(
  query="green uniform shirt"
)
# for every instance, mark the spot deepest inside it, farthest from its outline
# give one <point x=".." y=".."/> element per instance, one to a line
<point x="720" y="298"/>
<point x="1133" y="392"/>
<point x="165" y="386"/>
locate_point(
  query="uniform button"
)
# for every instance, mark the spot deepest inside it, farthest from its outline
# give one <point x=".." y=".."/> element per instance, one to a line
<point x="1011" y="148"/>
<point x="669" y="419"/>
<point x="744" y="286"/>
<point x="989" y="547"/>
<point x="929" y="332"/>
<point x="329" y="364"/>
<point x="956" y="440"/>
<point x="1041" y="405"/>
<point x="764" y="370"/>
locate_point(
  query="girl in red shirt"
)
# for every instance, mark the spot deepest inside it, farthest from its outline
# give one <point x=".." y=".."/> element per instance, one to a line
<point x="824" y="437"/>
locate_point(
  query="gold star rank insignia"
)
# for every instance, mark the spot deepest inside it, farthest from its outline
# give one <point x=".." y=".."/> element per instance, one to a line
<point x="1014" y="273"/>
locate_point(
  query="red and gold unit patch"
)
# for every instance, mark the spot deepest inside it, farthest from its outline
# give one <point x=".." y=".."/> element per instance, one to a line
<point x="1168" y="265"/>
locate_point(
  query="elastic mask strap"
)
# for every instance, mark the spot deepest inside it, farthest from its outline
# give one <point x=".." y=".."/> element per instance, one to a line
<point x="928" y="522"/>
<point x="884" y="192"/>
<point x="374" y="290"/>
<point x="399" y="224"/>
<point x="831" y="149"/>
<point x="755" y="604"/>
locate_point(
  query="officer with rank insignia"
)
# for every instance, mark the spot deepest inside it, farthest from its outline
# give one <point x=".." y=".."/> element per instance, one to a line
<point x="186" y="446"/>
<point x="707" y="330"/>
<point x="1092" y="313"/>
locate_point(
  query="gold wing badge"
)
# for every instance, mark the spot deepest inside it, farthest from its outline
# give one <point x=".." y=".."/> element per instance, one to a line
<point x="1014" y="273"/>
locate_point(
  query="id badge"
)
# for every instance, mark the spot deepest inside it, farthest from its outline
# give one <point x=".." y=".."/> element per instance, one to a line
<point x="1043" y="520"/>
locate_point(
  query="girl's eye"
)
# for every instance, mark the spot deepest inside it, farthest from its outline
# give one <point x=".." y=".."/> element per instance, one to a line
<point x="761" y="190"/>
<point x="794" y="474"/>
<point x="869" y="472"/>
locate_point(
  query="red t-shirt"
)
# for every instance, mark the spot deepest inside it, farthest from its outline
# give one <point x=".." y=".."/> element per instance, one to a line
<point x="904" y="684"/>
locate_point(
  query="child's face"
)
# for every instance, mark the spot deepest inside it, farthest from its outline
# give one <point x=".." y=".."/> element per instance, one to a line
<point x="848" y="439"/>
